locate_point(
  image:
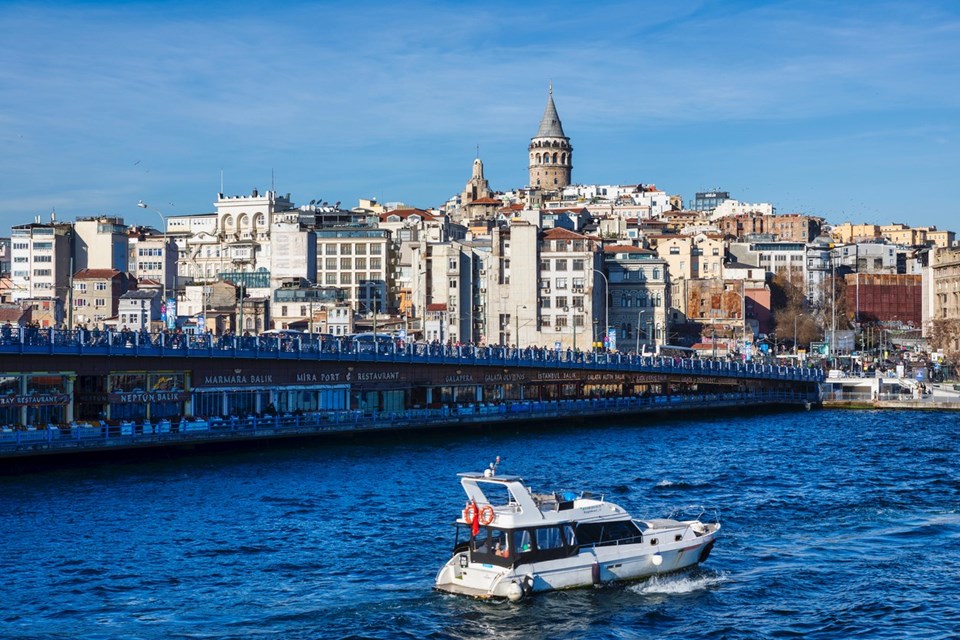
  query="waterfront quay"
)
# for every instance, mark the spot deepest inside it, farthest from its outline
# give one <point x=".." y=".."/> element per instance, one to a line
<point x="79" y="391"/>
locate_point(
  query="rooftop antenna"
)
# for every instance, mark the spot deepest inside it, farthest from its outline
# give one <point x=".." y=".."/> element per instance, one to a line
<point x="272" y="185"/>
<point x="478" y="152"/>
<point x="221" y="179"/>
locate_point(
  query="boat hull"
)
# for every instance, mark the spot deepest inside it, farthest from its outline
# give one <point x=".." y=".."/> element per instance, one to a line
<point x="591" y="566"/>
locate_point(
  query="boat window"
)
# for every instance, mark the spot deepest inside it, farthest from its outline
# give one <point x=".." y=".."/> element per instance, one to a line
<point x="521" y="541"/>
<point x="491" y="546"/>
<point x="489" y="540"/>
<point x="549" y="538"/>
<point x="569" y="535"/>
<point x="601" y="533"/>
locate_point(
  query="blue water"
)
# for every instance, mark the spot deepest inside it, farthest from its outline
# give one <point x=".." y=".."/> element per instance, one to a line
<point x="836" y="525"/>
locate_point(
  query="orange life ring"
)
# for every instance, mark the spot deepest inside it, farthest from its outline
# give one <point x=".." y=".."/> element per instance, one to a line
<point x="470" y="513"/>
<point x="486" y="515"/>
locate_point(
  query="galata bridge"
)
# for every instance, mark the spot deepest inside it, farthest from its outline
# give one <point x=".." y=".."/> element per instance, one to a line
<point x="69" y="392"/>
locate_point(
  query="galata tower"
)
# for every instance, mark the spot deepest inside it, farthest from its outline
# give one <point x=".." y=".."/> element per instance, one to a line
<point x="551" y="156"/>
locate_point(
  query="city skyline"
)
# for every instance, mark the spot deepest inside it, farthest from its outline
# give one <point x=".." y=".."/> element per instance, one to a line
<point x="845" y="113"/>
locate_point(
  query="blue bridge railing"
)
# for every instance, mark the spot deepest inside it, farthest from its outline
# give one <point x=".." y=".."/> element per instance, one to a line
<point x="32" y="340"/>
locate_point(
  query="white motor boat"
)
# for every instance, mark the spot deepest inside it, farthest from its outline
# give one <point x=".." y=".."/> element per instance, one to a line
<point x="512" y="542"/>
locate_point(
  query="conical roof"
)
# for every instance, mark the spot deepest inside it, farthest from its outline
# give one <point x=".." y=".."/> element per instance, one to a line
<point x="550" y="126"/>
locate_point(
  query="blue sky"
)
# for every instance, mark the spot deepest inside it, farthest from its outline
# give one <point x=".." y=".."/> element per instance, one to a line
<point x="848" y="110"/>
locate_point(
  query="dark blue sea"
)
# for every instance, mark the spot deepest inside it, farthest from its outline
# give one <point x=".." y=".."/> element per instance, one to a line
<point x="835" y="525"/>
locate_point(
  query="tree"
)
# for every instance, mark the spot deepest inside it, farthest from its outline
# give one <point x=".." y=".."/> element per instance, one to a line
<point x="945" y="336"/>
<point x="791" y="312"/>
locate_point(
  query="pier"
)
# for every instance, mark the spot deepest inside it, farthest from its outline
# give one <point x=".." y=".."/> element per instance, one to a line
<point x="66" y="392"/>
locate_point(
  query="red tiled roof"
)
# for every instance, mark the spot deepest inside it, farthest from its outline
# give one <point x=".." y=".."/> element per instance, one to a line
<point x="12" y="315"/>
<point x="96" y="274"/>
<point x="437" y="306"/>
<point x="559" y="233"/>
<point x="486" y="201"/>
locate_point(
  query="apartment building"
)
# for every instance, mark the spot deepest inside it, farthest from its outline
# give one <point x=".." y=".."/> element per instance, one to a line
<point x="359" y="262"/>
<point x="639" y="297"/>
<point x="96" y="295"/>
<point x="41" y="260"/>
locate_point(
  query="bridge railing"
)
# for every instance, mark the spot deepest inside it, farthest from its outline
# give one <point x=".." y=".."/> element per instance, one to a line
<point x="29" y="340"/>
<point x="80" y="435"/>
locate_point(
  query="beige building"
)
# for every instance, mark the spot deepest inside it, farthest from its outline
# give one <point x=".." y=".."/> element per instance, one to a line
<point x="542" y="287"/>
<point x="849" y="233"/>
<point x="945" y="277"/>
<point x="96" y="295"/>
<point x="903" y="235"/>
<point x="940" y="239"/>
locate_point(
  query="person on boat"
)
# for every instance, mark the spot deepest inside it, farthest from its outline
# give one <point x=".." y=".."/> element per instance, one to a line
<point x="501" y="549"/>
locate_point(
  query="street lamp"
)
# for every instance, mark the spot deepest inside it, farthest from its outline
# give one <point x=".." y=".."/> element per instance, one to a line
<point x="516" y="318"/>
<point x="639" y="324"/>
<point x="606" y="304"/>
<point x="163" y="306"/>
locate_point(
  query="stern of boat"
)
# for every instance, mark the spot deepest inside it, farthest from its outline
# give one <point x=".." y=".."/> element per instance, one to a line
<point x="462" y="577"/>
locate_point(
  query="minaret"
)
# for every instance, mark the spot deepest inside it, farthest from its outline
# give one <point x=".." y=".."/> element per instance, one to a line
<point x="551" y="156"/>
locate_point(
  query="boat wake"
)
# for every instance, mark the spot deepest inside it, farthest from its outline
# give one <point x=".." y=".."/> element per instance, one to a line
<point x="678" y="584"/>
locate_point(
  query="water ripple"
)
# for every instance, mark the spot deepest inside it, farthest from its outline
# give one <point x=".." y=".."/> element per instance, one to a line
<point x="836" y="525"/>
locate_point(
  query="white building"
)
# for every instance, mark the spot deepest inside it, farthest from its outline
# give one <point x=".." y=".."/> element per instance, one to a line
<point x="101" y="243"/>
<point x="41" y="260"/>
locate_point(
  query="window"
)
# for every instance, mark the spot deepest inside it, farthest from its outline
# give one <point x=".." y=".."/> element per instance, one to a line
<point x="561" y="283"/>
<point x="361" y="249"/>
<point x="331" y="250"/>
<point x="330" y="263"/>
<point x="561" y="302"/>
<point x="346" y="249"/>
<point x="361" y="263"/>
<point x="544" y="303"/>
<point x="578" y="302"/>
<point x="452" y="264"/>
<point x="544" y="265"/>
<point x="674" y="251"/>
<point x="560" y="265"/>
<point x="346" y="278"/>
<point x="549" y="538"/>
<point x="453" y="284"/>
<point x="376" y="249"/>
<point x="578" y="265"/>
<point x="346" y="263"/>
<point x="330" y="278"/>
